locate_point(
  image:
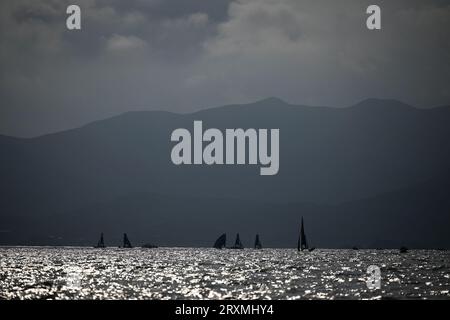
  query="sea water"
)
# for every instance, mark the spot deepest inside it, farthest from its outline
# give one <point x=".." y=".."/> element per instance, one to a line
<point x="203" y="273"/>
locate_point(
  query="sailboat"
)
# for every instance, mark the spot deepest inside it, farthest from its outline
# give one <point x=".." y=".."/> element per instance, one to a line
<point x="126" y="242"/>
<point x="302" y="242"/>
<point x="101" y="242"/>
<point x="221" y="242"/>
<point x="237" y="243"/>
<point x="258" y="242"/>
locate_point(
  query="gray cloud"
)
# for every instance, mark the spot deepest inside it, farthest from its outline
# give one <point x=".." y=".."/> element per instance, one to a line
<point x="185" y="55"/>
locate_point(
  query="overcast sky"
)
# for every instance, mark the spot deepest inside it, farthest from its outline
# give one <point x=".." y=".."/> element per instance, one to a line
<point x="184" y="55"/>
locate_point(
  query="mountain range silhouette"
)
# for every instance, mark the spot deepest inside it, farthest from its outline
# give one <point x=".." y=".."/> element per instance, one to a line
<point x="375" y="174"/>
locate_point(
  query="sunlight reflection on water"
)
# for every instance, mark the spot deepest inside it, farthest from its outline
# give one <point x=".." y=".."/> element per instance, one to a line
<point x="200" y="273"/>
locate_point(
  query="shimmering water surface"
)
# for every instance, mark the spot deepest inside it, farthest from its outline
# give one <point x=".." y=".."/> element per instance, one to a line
<point x="198" y="273"/>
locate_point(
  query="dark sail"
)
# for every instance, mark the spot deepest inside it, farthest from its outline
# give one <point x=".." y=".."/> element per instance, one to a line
<point x="258" y="242"/>
<point x="221" y="242"/>
<point x="302" y="242"/>
<point x="237" y="243"/>
<point x="126" y="242"/>
<point x="101" y="242"/>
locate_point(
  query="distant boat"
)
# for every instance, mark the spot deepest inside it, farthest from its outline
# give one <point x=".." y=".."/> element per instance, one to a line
<point x="403" y="250"/>
<point x="237" y="243"/>
<point x="126" y="242"/>
<point x="221" y="242"/>
<point x="149" y="246"/>
<point x="101" y="242"/>
<point x="302" y="242"/>
<point x="258" y="242"/>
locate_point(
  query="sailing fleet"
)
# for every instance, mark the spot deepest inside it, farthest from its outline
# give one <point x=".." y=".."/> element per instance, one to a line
<point x="301" y="245"/>
<point x="220" y="243"/>
<point x="126" y="242"/>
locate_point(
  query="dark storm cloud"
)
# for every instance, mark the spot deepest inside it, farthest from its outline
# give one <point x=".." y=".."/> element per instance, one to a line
<point x="184" y="55"/>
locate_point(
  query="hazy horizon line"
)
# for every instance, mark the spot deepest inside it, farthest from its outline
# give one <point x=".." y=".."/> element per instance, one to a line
<point x="202" y="109"/>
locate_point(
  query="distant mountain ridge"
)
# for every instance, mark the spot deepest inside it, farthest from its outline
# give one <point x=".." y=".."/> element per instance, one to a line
<point x="329" y="157"/>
